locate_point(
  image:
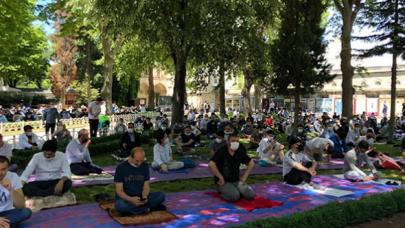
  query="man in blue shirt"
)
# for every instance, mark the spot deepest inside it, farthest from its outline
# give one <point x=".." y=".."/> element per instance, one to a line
<point x="132" y="187"/>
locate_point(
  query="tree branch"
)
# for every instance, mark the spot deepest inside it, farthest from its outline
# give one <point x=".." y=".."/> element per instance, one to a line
<point x="338" y="6"/>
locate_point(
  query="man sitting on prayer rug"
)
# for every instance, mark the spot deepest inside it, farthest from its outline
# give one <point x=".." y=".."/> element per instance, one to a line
<point x="298" y="167"/>
<point x="12" y="202"/>
<point x="52" y="172"/>
<point x="354" y="159"/>
<point x="132" y="187"/>
<point x="224" y="165"/>
<point x="78" y="155"/>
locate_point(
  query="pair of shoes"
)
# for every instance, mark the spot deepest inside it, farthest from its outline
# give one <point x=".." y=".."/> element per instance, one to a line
<point x="391" y="183"/>
<point x="102" y="197"/>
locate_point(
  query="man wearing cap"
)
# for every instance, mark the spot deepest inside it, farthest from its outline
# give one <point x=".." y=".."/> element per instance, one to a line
<point x="298" y="167"/>
<point x="52" y="172"/>
<point x="28" y="140"/>
<point x="354" y="159"/>
<point x="269" y="150"/>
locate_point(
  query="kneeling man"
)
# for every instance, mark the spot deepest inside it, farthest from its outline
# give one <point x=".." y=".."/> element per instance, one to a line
<point x="132" y="188"/>
<point x="354" y="159"/>
<point x="224" y="165"/>
<point x="52" y="172"/>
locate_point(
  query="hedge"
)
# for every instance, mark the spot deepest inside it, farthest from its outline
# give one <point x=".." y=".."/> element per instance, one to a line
<point x="8" y="99"/>
<point x="341" y="214"/>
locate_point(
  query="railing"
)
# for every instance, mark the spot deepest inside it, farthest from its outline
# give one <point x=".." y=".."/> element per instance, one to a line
<point x="16" y="128"/>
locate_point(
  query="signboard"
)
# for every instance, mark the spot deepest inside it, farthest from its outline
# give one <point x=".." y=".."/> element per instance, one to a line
<point x="323" y="105"/>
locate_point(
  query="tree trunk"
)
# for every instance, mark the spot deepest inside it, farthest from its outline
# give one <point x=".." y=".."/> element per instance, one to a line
<point x="221" y="87"/>
<point x="346" y="63"/>
<point x="247" y="85"/>
<point x="88" y="72"/>
<point x="151" y="91"/>
<point x="63" y="97"/>
<point x="179" y="89"/>
<point x="106" y="91"/>
<point x="297" y="101"/>
<point x="391" y="126"/>
<point x="258" y="97"/>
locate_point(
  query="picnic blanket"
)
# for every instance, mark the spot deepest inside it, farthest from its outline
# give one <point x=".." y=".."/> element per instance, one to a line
<point x="198" y="209"/>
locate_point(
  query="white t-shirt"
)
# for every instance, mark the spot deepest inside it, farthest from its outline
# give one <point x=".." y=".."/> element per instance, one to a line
<point x="95" y="109"/>
<point x="6" y="199"/>
<point x="6" y="150"/>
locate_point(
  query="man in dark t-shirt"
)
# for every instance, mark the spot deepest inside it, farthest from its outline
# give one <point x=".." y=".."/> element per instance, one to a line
<point x="224" y="165"/>
<point x="185" y="142"/>
<point x="132" y="186"/>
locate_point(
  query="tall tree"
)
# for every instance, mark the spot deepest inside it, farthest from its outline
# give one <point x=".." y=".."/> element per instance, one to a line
<point x="348" y="10"/>
<point x="387" y="19"/>
<point x="298" y="53"/>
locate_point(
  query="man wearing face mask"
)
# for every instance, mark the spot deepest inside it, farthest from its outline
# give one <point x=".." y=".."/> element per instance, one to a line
<point x="270" y="151"/>
<point x="224" y="165"/>
<point x="298" y="167"/>
<point x="228" y="130"/>
<point x="78" y="155"/>
<point x="185" y="142"/>
<point x="129" y="140"/>
<point x="353" y="135"/>
<point x="217" y="143"/>
<point x="132" y="187"/>
<point x="354" y="159"/>
<point x="162" y="154"/>
<point x="52" y="172"/>
<point x="28" y="140"/>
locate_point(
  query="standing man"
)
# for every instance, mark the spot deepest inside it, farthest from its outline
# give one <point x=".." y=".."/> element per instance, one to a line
<point x="12" y="201"/>
<point x="94" y="110"/>
<point x="50" y="118"/>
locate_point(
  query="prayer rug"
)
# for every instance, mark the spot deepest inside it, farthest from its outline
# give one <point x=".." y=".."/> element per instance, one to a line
<point x="39" y="203"/>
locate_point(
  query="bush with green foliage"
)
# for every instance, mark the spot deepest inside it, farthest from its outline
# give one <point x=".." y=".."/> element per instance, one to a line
<point x="341" y="214"/>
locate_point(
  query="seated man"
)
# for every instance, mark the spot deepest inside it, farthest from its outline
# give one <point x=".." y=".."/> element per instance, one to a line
<point x="270" y="151"/>
<point x="129" y="140"/>
<point x="28" y="140"/>
<point x="132" y="187"/>
<point x="6" y="150"/>
<point x="353" y="161"/>
<point x="217" y="143"/>
<point x="298" y="168"/>
<point x="78" y="155"/>
<point x="185" y="142"/>
<point x="247" y="129"/>
<point x="120" y="128"/>
<point x="12" y="203"/>
<point x="52" y="172"/>
<point x="224" y="165"/>
<point x="317" y="147"/>
<point x="162" y="154"/>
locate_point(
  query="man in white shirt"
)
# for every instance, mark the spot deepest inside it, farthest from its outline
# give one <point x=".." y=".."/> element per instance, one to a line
<point x="94" y="111"/>
<point x="12" y="201"/>
<point x="52" y="172"/>
<point x="78" y="155"/>
<point x="269" y="150"/>
<point x="28" y="140"/>
<point x="5" y="148"/>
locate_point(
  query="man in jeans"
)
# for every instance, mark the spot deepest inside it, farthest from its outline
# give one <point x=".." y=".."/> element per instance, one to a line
<point x="50" y="118"/>
<point x="132" y="187"/>
<point x="224" y="165"/>
<point x="94" y="110"/>
<point x="12" y="201"/>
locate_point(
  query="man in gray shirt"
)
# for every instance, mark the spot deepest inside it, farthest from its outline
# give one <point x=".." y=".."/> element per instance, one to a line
<point x="354" y="159"/>
<point x="51" y="116"/>
<point x="297" y="166"/>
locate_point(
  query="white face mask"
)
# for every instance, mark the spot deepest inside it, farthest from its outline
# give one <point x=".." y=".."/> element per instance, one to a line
<point x="218" y="140"/>
<point x="29" y="133"/>
<point x="166" y="141"/>
<point x="300" y="130"/>
<point x="271" y="138"/>
<point x="130" y="130"/>
<point x="234" y="146"/>
<point x="188" y="134"/>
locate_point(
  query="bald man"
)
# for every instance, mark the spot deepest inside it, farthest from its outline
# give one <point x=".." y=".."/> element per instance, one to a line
<point x="132" y="187"/>
<point x="78" y="155"/>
